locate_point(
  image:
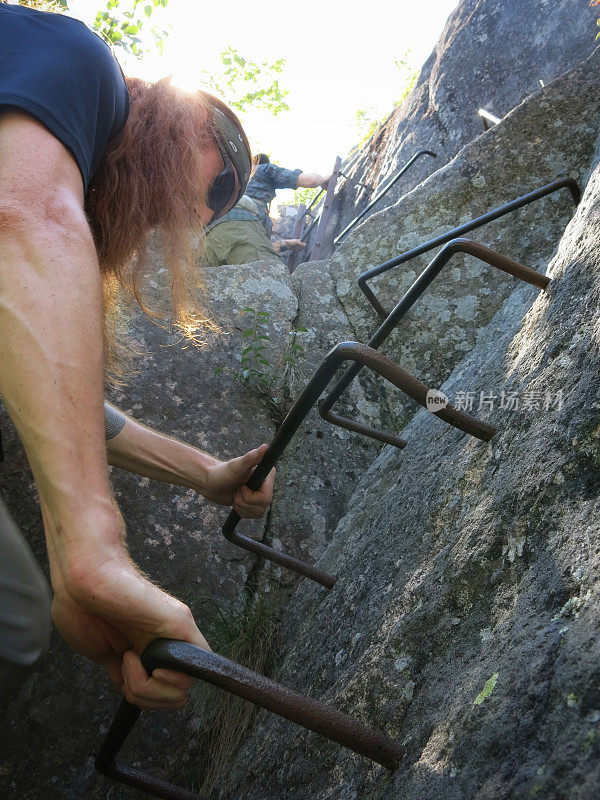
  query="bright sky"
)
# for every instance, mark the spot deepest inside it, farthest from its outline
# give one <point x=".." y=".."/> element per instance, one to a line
<point x="339" y="58"/>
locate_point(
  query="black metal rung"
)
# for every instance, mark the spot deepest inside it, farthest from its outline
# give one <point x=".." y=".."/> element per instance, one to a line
<point x="560" y="183"/>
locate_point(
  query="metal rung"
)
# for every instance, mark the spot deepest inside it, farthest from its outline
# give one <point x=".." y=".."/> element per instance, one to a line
<point x="356" y="183"/>
<point x="381" y="193"/>
<point x="219" y="671"/>
<point x="475" y="249"/>
<point x="560" y="183"/>
<point x="488" y="119"/>
<point x="362" y="355"/>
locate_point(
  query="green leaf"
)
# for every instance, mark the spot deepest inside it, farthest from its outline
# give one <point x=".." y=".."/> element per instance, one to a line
<point x="148" y="11"/>
<point x="487" y="689"/>
<point x="247" y="333"/>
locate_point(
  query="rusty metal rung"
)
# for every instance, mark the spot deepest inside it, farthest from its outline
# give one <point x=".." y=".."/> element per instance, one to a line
<point x="433" y="269"/>
<point x="362" y="355"/>
<point x="219" y="671"/>
<point x="364" y="430"/>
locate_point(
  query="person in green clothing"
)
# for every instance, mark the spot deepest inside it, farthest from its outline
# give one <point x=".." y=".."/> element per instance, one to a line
<point x="243" y="235"/>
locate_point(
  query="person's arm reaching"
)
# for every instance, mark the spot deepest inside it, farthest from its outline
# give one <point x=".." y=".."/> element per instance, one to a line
<point x="310" y="180"/>
<point x="142" y="450"/>
<point x="281" y="245"/>
<point x="51" y="379"/>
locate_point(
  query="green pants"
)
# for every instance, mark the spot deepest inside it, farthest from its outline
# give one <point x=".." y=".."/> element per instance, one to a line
<point x="238" y="242"/>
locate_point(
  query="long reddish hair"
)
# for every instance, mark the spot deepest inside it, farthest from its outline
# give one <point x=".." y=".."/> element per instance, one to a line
<point x="151" y="177"/>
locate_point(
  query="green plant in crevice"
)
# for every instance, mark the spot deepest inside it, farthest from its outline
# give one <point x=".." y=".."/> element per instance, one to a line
<point x="275" y="380"/>
<point x="291" y="363"/>
<point x="487" y="690"/>
<point x="248" y="638"/>
<point x="255" y="367"/>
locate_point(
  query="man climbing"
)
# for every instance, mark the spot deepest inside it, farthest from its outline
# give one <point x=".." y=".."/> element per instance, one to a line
<point x="244" y="234"/>
<point x="89" y="164"/>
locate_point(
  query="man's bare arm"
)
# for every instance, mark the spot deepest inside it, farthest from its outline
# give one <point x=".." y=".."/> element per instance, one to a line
<point x="310" y="180"/>
<point x="140" y="449"/>
<point x="51" y="380"/>
<point x="51" y="367"/>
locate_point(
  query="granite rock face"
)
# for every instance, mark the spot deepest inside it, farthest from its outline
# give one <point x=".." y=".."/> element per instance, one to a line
<point x="319" y="469"/>
<point x="551" y="135"/>
<point x="465" y="617"/>
<point x="490" y="55"/>
<point x="456" y="560"/>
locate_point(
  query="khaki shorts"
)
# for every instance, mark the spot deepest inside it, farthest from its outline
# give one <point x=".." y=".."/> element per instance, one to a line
<point x="238" y="242"/>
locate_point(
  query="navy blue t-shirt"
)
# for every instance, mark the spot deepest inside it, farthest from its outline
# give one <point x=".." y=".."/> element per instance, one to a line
<point x="55" y="68"/>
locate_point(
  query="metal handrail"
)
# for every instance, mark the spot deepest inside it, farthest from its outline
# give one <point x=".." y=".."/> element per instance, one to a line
<point x="479" y="251"/>
<point x="307" y="210"/>
<point x="560" y="183"/>
<point x="313" y="201"/>
<point x="380" y="194"/>
<point x="292" y="256"/>
<point x="315" y="221"/>
<point x="364" y="356"/>
<point x="319" y="212"/>
<point x="219" y="671"/>
<point x="316" y="251"/>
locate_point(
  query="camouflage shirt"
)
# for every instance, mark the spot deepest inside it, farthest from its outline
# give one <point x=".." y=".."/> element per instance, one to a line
<point x="267" y="179"/>
<point x="263" y="184"/>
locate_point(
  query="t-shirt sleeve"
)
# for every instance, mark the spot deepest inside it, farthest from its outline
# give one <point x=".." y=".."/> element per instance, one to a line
<point x="285" y="178"/>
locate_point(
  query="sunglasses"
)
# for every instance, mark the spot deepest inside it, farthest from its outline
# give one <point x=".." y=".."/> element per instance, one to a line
<point x="224" y="188"/>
